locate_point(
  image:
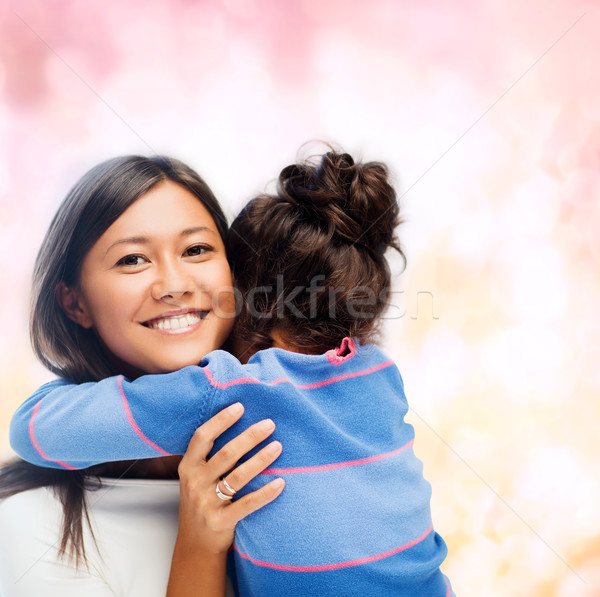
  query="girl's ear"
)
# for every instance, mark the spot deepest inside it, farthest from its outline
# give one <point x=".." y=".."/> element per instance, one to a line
<point x="69" y="300"/>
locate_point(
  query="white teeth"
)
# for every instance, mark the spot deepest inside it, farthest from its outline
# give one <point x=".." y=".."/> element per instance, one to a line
<point x="176" y="323"/>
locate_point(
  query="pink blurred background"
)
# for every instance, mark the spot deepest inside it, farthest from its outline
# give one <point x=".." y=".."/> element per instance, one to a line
<point x="488" y="114"/>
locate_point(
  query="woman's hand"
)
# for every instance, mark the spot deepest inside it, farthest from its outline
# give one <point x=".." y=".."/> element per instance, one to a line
<point x="206" y="521"/>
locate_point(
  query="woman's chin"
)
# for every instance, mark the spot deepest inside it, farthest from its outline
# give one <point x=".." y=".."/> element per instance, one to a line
<point x="174" y="362"/>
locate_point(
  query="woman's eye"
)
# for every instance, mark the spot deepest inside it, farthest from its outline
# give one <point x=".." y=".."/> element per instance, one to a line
<point x="131" y="260"/>
<point x="197" y="250"/>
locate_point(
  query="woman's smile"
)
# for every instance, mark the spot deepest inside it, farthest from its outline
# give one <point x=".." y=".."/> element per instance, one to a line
<point x="182" y="322"/>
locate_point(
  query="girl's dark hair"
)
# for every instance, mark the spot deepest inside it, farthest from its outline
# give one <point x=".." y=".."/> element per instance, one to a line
<point x="309" y="261"/>
<point x="65" y="348"/>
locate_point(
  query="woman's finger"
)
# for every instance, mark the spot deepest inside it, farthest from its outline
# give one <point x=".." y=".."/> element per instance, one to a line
<point x="254" y="501"/>
<point x="227" y="457"/>
<point x="245" y="472"/>
<point x="204" y="437"/>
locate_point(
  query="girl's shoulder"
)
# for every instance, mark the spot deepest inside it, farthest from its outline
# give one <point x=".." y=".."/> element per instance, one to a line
<point x="274" y="365"/>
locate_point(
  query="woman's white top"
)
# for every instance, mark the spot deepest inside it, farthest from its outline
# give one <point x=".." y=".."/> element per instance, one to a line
<point x="135" y="525"/>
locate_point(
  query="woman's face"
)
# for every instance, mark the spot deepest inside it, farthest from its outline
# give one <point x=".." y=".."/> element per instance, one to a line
<point x="156" y="287"/>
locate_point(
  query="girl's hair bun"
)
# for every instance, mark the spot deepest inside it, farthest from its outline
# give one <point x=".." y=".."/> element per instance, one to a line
<point x="354" y="202"/>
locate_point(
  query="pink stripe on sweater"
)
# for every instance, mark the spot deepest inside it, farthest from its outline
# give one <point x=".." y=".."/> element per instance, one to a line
<point x="134" y="425"/>
<point x="328" y="467"/>
<point x="337" y="378"/>
<point x="37" y="446"/>
<point x="311" y="386"/>
<point x="223" y="386"/>
<point x="338" y="565"/>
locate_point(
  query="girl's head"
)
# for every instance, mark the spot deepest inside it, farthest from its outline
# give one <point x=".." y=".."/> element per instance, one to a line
<point x="132" y="275"/>
<point x="309" y="261"/>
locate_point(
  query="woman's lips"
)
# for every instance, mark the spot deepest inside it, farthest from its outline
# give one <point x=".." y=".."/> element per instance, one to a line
<point x="176" y="323"/>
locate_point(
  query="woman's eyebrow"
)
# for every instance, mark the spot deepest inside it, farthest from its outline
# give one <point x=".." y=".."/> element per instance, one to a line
<point x="141" y="240"/>
<point x="134" y="240"/>
<point x="189" y="231"/>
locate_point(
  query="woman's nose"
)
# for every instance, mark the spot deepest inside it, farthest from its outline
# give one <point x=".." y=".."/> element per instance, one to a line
<point x="171" y="283"/>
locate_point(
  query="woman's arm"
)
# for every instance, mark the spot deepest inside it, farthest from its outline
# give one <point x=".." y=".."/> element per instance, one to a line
<point x="207" y="522"/>
<point x="30" y="521"/>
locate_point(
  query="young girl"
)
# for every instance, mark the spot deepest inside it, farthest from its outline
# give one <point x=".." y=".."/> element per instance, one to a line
<point x="131" y="525"/>
<point x="309" y="266"/>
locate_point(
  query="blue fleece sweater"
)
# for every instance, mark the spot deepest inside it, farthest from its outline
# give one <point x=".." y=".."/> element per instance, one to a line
<point x="354" y="518"/>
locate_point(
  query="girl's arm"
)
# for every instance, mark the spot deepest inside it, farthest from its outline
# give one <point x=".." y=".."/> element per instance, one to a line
<point x="207" y="523"/>
<point x="73" y="426"/>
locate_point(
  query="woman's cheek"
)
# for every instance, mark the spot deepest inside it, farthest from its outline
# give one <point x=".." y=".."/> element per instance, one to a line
<point x="224" y="305"/>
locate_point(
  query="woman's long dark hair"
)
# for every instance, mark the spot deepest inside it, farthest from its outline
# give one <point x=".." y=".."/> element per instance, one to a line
<point x="65" y="348"/>
<point x="309" y="261"/>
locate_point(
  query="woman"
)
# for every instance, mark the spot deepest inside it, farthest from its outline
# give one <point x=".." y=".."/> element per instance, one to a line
<point x="119" y="521"/>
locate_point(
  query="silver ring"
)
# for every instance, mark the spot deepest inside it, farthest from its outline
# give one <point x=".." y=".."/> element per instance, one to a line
<point x="221" y="495"/>
<point x="231" y="491"/>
